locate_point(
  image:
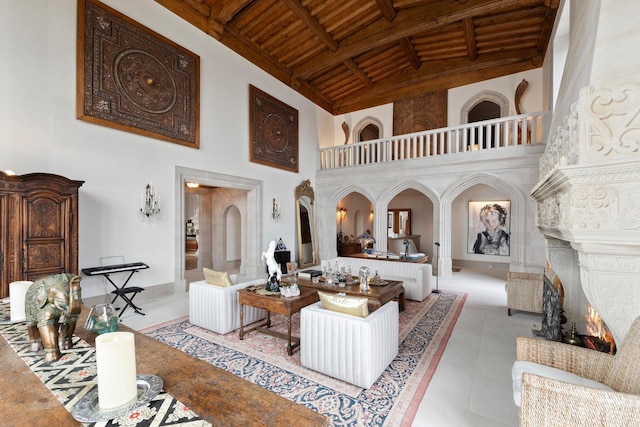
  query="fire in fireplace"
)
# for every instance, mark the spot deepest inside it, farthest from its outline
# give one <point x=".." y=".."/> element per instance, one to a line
<point x="598" y="336"/>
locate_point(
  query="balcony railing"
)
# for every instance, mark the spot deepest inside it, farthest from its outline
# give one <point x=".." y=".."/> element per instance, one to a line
<point x="494" y="134"/>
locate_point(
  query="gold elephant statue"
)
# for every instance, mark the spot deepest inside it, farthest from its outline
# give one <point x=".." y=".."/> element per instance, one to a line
<point x="52" y="306"/>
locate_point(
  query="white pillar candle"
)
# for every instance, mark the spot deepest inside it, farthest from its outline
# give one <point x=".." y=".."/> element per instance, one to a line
<point x="116" y="361"/>
<point x="17" y="293"/>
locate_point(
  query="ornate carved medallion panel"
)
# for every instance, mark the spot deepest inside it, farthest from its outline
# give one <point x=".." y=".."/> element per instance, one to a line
<point x="133" y="79"/>
<point x="273" y="131"/>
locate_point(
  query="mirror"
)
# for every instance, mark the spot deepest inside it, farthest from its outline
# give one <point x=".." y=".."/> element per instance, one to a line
<point x="305" y="219"/>
<point x="398" y="222"/>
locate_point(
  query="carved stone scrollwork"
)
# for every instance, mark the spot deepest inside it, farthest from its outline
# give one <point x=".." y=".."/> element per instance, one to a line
<point x="611" y="120"/>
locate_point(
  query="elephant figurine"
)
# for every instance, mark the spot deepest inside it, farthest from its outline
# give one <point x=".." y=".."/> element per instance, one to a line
<point x="52" y="306"/>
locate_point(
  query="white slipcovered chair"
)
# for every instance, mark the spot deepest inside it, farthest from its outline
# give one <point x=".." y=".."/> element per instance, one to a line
<point x="217" y="309"/>
<point x="350" y="348"/>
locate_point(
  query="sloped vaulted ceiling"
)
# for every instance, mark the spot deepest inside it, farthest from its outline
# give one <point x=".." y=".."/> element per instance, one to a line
<point x="345" y="55"/>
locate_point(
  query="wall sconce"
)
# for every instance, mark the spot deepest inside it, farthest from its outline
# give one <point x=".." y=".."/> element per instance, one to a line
<point x="275" y="210"/>
<point x="149" y="202"/>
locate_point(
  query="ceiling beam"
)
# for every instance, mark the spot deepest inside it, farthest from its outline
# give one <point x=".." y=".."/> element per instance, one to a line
<point x="358" y="72"/>
<point x="411" y="53"/>
<point x="223" y="13"/>
<point x="470" y="38"/>
<point x="407" y="23"/>
<point x="386" y="7"/>
<point x="547" y="28"/>
<point x="313" y="24"/>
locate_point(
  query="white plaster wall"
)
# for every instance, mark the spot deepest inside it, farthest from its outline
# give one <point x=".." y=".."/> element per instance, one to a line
<point x="532" y="100"/>
<point x="384" y="113"/>
<point x="39" y="133"/>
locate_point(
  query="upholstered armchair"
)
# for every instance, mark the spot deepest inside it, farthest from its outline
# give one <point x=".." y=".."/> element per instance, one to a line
<point x="350" y="348"/>
<point x="217" y="308"/>
<point x="524" y="292"/>
<point x="574" y="386"/>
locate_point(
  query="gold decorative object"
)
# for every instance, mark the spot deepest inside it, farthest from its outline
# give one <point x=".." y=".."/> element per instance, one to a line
<point x="573" y="338"/>
<point x="52" y="306"/>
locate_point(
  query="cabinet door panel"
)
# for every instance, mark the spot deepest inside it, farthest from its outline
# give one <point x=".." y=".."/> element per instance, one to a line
<point x="46" y="246"/>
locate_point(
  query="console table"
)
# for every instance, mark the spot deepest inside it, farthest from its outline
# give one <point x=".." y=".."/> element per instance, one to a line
<point x="346" y="249"/>
<point x="217" y="396"/>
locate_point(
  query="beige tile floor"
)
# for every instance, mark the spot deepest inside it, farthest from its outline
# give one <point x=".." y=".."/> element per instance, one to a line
<point x="472" y="384"/>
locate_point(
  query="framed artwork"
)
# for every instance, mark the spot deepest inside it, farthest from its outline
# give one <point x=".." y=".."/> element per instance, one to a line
<point x="489" y="225"/>
<point x="133" y="79"/>
<point x="273" y="131"/>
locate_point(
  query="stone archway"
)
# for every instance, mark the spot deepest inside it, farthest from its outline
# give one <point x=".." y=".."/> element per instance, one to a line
<point x="518" y="213"/>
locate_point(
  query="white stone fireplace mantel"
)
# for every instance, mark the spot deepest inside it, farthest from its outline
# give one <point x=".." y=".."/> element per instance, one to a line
<point x="589" y="196"/>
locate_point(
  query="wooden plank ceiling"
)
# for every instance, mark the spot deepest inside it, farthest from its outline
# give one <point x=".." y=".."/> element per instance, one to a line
<point x="345" y="55"/>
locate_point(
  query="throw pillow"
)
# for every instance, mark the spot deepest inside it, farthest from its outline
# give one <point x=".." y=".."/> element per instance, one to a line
<point x="355" y="306"/>
<point x="218" y="278"/>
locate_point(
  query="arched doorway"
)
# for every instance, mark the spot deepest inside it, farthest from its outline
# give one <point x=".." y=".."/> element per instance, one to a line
<point x="484" y="106"/>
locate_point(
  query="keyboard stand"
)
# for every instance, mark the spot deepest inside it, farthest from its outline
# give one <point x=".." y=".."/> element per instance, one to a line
<point x="121" y="291"/>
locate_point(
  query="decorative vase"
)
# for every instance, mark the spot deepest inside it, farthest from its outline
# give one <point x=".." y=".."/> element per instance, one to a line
<point x="364" y="278"/>
<point x="102" y="318"/>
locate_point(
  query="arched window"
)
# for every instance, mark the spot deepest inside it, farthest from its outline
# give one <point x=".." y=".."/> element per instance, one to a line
<point x="483" y="106"/>
<point x="367" y="129"/>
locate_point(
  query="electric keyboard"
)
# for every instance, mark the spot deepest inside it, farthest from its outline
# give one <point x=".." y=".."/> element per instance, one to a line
<point x="116" y="268"/>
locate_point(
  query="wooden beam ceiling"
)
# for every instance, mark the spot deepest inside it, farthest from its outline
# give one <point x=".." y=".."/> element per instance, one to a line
<point x="346" y="55"/>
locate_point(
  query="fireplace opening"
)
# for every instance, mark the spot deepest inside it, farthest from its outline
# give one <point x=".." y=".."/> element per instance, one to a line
<point x="597" y="336"/>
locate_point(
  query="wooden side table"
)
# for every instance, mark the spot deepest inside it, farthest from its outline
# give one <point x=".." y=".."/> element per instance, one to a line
<point x="275" y="304"/>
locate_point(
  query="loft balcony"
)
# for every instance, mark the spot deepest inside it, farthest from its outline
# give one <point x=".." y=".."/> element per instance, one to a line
<point x="497" y="135"/>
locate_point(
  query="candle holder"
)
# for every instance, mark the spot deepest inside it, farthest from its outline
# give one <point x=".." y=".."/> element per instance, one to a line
<point x="87" y="410"/>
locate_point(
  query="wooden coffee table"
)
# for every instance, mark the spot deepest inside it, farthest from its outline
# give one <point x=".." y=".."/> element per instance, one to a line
<point x="275" y="304"/>
<point x="377" y="295"/>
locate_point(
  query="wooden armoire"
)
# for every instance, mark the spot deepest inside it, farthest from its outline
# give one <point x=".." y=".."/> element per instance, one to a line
<point x="38" y="227"/>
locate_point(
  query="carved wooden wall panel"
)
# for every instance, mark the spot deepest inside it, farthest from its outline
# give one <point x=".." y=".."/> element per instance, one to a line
<point x="273" y="131"/>
<point x="133" y="79"/>
<point x="419" y="113"/>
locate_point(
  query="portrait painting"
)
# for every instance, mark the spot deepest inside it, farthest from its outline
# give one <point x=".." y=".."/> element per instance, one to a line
<point x="489" y="225"/>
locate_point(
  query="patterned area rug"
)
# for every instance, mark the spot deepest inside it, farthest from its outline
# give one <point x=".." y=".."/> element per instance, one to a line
<point x="393" y="400"/>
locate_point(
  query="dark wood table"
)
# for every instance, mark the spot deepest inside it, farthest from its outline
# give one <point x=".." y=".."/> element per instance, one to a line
<point x="275" y="304"/>
<point x="377" y="295"/>
<point x="422" y="260"/>
<point x="217" y="396"/>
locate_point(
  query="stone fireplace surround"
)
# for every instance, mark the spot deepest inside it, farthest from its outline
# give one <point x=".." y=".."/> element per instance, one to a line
<point x="589" y="203"/>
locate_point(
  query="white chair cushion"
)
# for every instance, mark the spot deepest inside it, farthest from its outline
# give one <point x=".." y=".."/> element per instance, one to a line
<point x="521" y="367"/>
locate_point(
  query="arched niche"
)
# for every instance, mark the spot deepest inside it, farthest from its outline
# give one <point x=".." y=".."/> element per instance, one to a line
<point x="364" y="129"/>
<point x="490" y="96"/>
